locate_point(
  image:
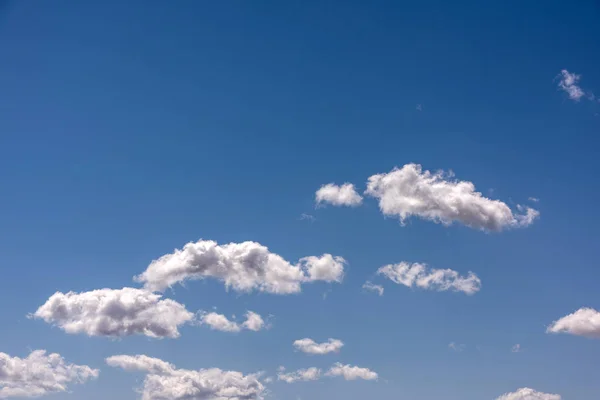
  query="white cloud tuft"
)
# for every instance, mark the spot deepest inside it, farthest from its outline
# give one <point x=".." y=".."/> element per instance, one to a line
<point x="456" y="347"/>
<point x="583" y="322"/>
<point x="528" y="394"/>
<point x="534" y="199"/>
<point x="309" y="346"/>
<point x="410" y="191"/>
<point x="344" y="195"/>
<point x="351" y="373"/>
<point x="373" y="287"/>
<point x="115" y="313"/>
<point x="421" y="276"/>
<point x="39" y="374"/>
<point x="243" y="266"/>
<point x="164" y="382"/>
<point x="219" y="322"/>
<point x="516" y="348"/>
<point x="568" y="83"/>
<point x="254" y="322"/>
<point x="305" y="375"/>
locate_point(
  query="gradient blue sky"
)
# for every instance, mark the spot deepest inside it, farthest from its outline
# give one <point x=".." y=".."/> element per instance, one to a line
<point x="128" y="130"/>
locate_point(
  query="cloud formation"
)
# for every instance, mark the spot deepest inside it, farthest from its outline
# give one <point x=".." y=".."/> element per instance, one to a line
<point x="344" y="195"/>
<point x="301" y="375"/>
<point x="528" y="394"/>
<point x="309" y="346"/>
<point x="421" y="276"/>
<point x="373" y="287"/>
<point x="569" y="84"/>
<point x="351" y="373"/>
<point x="39" y="374"/>
<point x="115" y="313"/>
<point x="583" y="322"/>
<point x="516" y="348"/>
<point x="409" y="191"/>
<point x="219" y="322"/>
<point x="243" y="266"/>
<point x="456" y="347"/>
<point x="165" y="382"/>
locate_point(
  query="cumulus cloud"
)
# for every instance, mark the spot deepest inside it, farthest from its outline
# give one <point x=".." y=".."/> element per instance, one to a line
<point x="569" y="84"/>
<point x="219" y="322"/>
<point x="421" y="276"/>
<point x="583" y="322"/>
<point x="309" y="346"/>
<point x="409" y="191"/>
<point x="373" y="287"/>
<point x="165" y="382"/>
<point x="351" y="373"/>
<point x="344" y="195"/>
<point x="115" y="313"/>
<point x="39" y="374"/>
<point x="303" y="375"/>
<point x="243" y="266"/>
<point x="528" y="394"/>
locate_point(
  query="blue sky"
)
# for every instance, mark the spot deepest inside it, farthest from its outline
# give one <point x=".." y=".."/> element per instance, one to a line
<point x="129" y="130"/>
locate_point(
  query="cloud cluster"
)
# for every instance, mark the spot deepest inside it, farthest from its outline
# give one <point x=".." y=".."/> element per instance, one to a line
<point x="583" y="322"/>
<point x="421" y="276"/>
<point x="39" y="374"/>
<point x="301" y="375"/>
<point x="344" y="195"/>
<point x="373" y="287"/>
<point x="115" y="313"/>
<point x="569" y="84"/>
<point x="348" y="372"/>
<point x="528" y="394"/>
<point x="243" y="266"/>
<point x="164" y="381"/>
<point x="219" y="322"/>
<point x="309" y="346"/>
<point x="410" y="191"/>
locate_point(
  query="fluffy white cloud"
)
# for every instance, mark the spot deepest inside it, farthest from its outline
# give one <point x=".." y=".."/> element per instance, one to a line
<point x="115" y="312"/>
<point x="583" y="322"/>
<point x="528" y="394"/>
<point x="305" y="375"/>
<point x="420" y="275"/>
<point x="243" y="266"/>
<point x="309" y="346"/>
<point x="165" y="382"/>
<point x="39" y="374"/>
<point x="219" y="322"/>
<point x="568" y="83"/>
<point x="410" y="191"/>
<point x="351" y="373"/>
<point x="373" y="287"/>
<point x="344" y="195"/>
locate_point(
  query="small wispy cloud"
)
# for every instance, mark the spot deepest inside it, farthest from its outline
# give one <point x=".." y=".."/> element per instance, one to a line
<point x="371" y="287"/>
<point x="456" y="347"/>
<point x="534" y="199"/>
<point x="516" y="348"/>
<point x="307" y="217"/>
<point x="419" y="107"/>
<point x="569" y="83"/>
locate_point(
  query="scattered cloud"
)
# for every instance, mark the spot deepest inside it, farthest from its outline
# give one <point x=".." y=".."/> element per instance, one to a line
<point x="419" y="107"/>
<point x="421" y="276"/>
<point x="243" y="266"/>
<point x="569" y="84"/>
<point x="301" y="375"/>
<point x="534" y="199"/>
<point x="344" y="195"/>
<point x="351" y="373"/>
<point x="254" y="322"/>
<point x="456" y="347"/>
<point x="309" y="346"/>
<point x="371" y="287"/>
<point x="115" y="313"/>
<point x="516" y="348"/>
<point x="410" y="191"/>
<point x="583" y="322"/>
<point x="307" y="217"/>
<point x="39" y="374"/>
<point x="164" y="381"/>
<point x="219" y="322"/>
<point x="528" y="394"/>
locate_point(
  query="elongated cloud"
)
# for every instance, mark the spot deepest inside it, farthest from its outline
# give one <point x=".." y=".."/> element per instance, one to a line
<point x="115" y="313"/>
<point x="569" y="84"/>
<point x="165" y="382"/>
<point x="243" y="266"/>
<point x="409" y="191"/>
<point x="219" y="322"/>
<point x="529" y="394"/>
<point x="301" y="375"/>
<point x="421" y="276"/>
<point x="309" y="346"/>
<point x="583" y="322"/>
<point x="371" y="287"/>
<point x="351" y="373"/>
<point x="344" y="195"/>
<point x="39" y="374"/>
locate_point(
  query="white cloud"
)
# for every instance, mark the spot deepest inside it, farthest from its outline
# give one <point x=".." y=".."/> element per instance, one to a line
<point x="307" y="217"/>
<point x="344" y="195"/>
<point x="39" y="374"/>
<point x="410" y="191"/>
<point x="456" y="347"/>
<point x="254" y="322"/>
<point x="534" y="199"/>
<point x="165" y="382"/>
<point x="115" y="313"/>
<point x="351" y="373"/>
<point x="243" y="266"/>
<point x="528" y="394"/>
<point x="516" y="348"/>
<point x="421" y="276"/>
<point x="309" y="346"/>
<point x="219" y="322"/>
<point x="568" y="83"/>
<point x="304" y="375"/>
<point x="583" y="322"/>
<point x="373" y="287"/>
